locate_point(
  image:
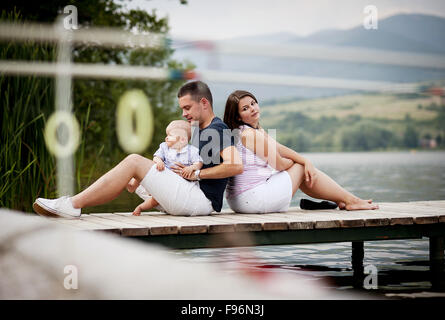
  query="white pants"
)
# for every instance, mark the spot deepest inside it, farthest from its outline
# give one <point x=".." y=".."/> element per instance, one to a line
<point x="272" y="196"/>
<point x="175" y="194"/>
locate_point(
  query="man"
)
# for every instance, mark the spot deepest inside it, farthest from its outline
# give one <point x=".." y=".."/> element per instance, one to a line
<point x="175" y="194"/>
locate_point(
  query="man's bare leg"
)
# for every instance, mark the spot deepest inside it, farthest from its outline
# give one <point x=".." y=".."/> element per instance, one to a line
<point x="111" y="184"/>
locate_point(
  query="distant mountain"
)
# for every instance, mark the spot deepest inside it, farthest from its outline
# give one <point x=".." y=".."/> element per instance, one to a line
<point x="404" y="32"/>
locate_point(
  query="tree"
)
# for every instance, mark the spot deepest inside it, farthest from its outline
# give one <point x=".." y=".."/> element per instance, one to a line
<point x="411" y="137"/>
<point x="102" y="95"/>
<point x="366" y="137"/>
<point x="99" y="96"/>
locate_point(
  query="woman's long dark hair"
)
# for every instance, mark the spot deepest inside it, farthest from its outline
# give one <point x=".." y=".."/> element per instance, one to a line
<point x="231" y="112"/>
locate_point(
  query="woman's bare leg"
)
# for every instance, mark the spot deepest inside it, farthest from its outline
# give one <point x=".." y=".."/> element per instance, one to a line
<point x="326" y="188"/>
<point x="111" y="184"/>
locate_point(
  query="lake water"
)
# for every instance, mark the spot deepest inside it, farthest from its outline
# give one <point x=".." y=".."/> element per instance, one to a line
<point x="402" y="265"/>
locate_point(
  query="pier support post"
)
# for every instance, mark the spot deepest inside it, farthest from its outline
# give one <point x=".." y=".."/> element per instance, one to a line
<point x="358" y="254"/>
<point x="437" y="265"/>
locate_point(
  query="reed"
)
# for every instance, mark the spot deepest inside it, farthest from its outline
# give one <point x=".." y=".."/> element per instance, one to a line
<point x="27" y="169"/>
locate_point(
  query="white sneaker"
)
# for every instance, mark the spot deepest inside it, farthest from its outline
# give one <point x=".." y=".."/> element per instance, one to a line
<point x="60" y="207"/>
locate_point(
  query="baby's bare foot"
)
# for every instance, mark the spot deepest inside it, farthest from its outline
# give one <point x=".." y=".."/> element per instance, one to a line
<point x="137" y="211"/>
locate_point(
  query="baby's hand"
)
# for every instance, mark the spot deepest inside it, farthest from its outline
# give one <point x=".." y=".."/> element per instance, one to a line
<point x="160" y="166"/>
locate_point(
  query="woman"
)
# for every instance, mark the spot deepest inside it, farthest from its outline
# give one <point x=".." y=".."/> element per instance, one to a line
<point x="260" y="188"/>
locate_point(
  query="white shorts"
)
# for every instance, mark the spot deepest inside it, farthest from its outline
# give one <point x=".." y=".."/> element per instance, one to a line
<point x="175" y="194"/>
<point x="272" y="196"/>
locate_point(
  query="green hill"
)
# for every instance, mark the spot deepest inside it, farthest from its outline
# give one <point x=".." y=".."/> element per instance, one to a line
<point x="357" y="122"/>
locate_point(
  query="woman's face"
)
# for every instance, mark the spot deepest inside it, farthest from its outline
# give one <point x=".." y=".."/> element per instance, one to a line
<point x="249" y="111"/>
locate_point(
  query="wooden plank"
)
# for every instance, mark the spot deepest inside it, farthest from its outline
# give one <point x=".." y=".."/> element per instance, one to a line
<point x="410" y="211"/>
<point x="268" y="222"/>
<point x="439" y="212"/>
<point x="321" y="219"/>
<point x="371" y="218"/>
<point x="435" y="203"/>
<point x="297" y="222"/>
<point x="214" y="224"/>
<point x="86" y="225"/>
<point x="156" y="227"/>
<point x="185" y="226"/>
<point x="296" y="209"/>
<point x="66" y="225"/>
<point x="324" y="219"/>
<point x="362" y="218"/>
<point x="127" y="229"/>
<point x="240" y="225"/>
<point x="413" y="208"/>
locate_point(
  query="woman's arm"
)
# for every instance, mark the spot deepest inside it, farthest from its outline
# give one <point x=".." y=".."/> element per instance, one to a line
<point x="291" y="154"/>
<point x="310" y="172"/>
<point x="266" y="148"/>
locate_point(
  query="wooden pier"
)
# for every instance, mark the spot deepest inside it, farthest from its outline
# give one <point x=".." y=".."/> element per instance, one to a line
<point x="394" y="220"/>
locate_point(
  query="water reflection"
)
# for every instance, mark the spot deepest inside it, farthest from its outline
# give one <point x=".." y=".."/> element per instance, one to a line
<point x="383" y="176"/>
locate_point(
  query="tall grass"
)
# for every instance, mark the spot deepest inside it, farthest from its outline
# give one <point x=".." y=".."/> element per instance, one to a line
<point x="27" y="169"/>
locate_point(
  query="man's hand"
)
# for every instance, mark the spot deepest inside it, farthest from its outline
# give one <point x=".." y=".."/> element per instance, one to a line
<point x="187" y="172"/>
<point x="310" y="174"/>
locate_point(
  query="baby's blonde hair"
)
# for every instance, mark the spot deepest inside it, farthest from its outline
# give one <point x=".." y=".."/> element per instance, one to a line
<point x="180" y="126"/>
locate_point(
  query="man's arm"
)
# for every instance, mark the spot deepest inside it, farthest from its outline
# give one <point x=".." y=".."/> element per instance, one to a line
<point x="196" y="166"/>
<point x="231" y="165"/>
<point x="188" y="171"/>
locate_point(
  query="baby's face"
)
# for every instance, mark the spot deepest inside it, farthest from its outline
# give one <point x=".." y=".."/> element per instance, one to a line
<point x="176" y="138"/>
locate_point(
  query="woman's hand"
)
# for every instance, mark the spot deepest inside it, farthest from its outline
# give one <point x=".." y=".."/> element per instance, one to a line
<point x="310" y="173"/>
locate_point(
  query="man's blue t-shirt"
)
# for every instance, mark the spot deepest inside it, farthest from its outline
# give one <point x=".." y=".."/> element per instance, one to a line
<point x="212" y="140"/>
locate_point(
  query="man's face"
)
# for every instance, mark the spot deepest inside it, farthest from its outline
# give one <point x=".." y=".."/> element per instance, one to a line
<point x="191" y="110"/>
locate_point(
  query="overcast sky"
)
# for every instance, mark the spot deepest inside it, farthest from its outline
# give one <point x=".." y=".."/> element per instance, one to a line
<point x="219" y="19"/>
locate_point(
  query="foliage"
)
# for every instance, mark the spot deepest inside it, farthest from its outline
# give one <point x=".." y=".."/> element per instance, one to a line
<point x="386" y="122"/>
<point x="411" y="137"/>
<point x="28" y="101"/>
<point x="365" y="137"/>
<point x="26" y="168"/>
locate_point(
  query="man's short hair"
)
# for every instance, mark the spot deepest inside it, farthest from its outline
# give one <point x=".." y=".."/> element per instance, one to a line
<point x="197" y="90"/>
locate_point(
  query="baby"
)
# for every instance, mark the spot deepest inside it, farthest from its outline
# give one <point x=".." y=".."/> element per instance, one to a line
<point x="174" y="149"/>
